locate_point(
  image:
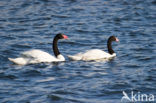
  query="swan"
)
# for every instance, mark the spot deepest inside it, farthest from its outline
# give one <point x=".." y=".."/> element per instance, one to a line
<point x="96" y="54"/>
<point x="37" y="56"/>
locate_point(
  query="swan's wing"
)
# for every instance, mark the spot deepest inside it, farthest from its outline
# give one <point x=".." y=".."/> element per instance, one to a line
<point x="92" y="54"/>
<point x="95" y="54"/>
<point x="34" y="53"/>
<point x="38" y="56"/>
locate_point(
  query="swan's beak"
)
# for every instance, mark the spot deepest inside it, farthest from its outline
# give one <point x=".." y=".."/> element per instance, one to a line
<point x="65" y="36"/>
<point x="117" y="40"/>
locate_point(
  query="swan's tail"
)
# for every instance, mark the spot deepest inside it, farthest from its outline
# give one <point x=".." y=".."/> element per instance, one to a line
<point x="74" y="57"/>
<point x="19" y="61"/>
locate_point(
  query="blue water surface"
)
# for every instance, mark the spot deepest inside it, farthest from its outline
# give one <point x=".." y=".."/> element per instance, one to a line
<point x="32" y="24"/>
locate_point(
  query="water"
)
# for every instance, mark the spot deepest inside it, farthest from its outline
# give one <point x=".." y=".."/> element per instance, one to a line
<point x="32" y="24"/>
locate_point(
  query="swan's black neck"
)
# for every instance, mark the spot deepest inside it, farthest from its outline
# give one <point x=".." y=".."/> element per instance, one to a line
<point x="109" y="46"/>
<point x="55" y="48"/>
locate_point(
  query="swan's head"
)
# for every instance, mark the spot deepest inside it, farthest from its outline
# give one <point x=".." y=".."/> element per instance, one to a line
<point x="113" y="38"/>
<point x="61" y="36"/>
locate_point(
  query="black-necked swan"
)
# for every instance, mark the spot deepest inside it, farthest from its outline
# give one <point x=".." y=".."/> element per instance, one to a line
<point x="96" y="54"/>
<point x="38" y="56"/>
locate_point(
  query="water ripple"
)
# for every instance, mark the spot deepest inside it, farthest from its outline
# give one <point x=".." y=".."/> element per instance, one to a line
<point x="27" y="24"/>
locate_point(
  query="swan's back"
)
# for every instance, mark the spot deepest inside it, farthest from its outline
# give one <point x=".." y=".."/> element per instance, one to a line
<point x="36" y="56"/>
<point x="93" y="54"/>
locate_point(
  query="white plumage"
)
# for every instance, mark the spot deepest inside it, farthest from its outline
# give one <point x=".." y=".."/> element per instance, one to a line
<point x="96" y="54"/>
<point x="36" y="56"/>
<point x="93" y="54"/>
<point x="39" y="56"/>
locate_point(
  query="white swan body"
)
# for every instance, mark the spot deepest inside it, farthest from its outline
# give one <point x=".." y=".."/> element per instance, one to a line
<point x="36" y="56"/>
<point x="93" y="54"/>
<point x="96" y="54"/>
